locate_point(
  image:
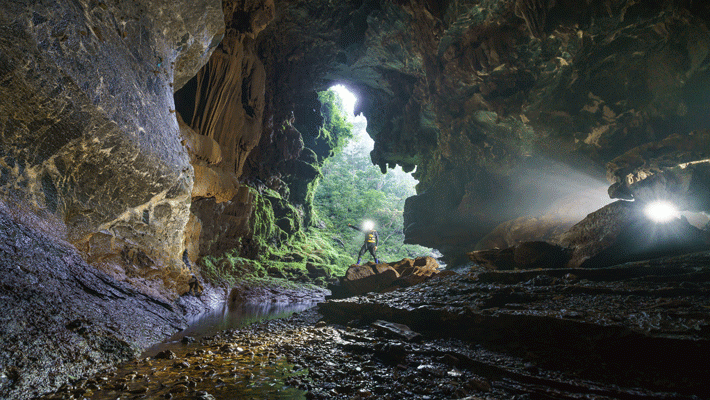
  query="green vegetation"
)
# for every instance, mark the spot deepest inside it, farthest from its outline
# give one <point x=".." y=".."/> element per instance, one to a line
<point x="353" y="190"/>
<point x="230" y="268"/>
<point x="336" y="131"/>
<point x="312" y="242"/>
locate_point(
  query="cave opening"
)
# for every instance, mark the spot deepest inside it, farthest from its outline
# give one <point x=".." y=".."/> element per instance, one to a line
<point x="354" y="191"/>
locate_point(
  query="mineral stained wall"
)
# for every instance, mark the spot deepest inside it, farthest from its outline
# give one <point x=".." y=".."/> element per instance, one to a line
<point x="88" y="124"/>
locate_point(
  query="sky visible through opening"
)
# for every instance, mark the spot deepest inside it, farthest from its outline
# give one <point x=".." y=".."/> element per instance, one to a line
<point x="361" y="140"/>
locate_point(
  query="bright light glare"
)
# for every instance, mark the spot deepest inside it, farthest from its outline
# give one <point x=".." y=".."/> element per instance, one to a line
<point x="348" y="99"/>
<point x="661" y="211"/>
<point x="368" y="225"/>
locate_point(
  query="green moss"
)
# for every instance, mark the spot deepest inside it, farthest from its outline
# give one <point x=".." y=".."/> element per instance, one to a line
<point x="230" y="269"/>
<point x="282" y="240"/>
<point x="263" y="219"/>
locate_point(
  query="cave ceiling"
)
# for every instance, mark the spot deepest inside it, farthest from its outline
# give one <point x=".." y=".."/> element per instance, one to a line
<point x="504" y="108"/>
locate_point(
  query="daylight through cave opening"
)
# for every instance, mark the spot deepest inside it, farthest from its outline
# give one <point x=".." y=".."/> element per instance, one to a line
<point x="352" y="190"/>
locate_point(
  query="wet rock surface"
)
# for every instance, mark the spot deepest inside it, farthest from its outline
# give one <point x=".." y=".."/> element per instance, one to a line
<point x="632" y="331"/>
<point x="305" y="357"/>
<point x="234" y="364"/>
<point x="249" y="293"/>
<point x="616" y="332"/>
<point x="63" y="318"/>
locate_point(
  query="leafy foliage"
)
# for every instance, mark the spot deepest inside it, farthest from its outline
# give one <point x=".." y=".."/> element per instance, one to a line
<point x="349" y="189"/>
<point x="336" y="130"/>
<point x="353" y="190"/>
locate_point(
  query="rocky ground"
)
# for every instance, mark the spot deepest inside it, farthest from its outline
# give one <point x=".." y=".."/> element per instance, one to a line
<point x="63" y="319"/>
<point x="634" y="331"/>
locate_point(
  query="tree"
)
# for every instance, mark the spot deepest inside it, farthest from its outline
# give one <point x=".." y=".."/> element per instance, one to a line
<point x="352" y="190"/>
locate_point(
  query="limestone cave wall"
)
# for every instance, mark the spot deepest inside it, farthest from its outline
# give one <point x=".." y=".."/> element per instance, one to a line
<point x="147" y="128"/>
<point x="90" y="139"/>
<point x="517" y="115"/>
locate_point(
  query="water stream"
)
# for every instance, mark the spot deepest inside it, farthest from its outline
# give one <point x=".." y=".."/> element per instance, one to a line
<point x="227" y="316"/>
<point x="208" y="361"/>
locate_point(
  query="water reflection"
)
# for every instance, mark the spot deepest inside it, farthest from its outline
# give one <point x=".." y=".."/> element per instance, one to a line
<point x="221" y="363"/>
<point x="228" y="316"/>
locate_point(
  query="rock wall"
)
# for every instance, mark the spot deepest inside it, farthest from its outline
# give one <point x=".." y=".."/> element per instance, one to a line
<point x="88" y="124"/>
<point x="63" y="319"/>
<point x="252" y="125"/>
<point x="507" y="109"/>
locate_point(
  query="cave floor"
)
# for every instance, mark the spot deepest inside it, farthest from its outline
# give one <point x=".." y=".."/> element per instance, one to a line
<point x="633" y="331"/>
<point x="304" y="357"/>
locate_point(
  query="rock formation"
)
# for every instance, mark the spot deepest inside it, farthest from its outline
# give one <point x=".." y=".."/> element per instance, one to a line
<point x="88" y="124"/>
<point x="508" y="110"/>
<point x="370" y="277"/>
<point x="135" y="130"/>
<point x="63" y="318"/>
<point x="638" y="330"/>
<point x="505" y="108"/>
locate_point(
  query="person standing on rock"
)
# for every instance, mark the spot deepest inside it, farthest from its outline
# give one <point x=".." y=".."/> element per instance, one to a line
<point x="371" y="241"/>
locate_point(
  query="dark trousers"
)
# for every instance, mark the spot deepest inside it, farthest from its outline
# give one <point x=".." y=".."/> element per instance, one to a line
<point x="367" y="247"/>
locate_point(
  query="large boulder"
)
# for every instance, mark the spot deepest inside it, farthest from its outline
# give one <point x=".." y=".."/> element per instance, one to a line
<point x="675" y="169"/>
<point x="622" y="232"/>
<point x="617" y="233"/>
<point x="526" y="255"/>
<point x="369" y="277"/>
<point x="372" y="277"/>
<point x="414" y="271"/>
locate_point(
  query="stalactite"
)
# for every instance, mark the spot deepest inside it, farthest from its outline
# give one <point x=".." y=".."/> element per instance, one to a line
<point x="229" y="103"/>
<point x="534" y="12"/>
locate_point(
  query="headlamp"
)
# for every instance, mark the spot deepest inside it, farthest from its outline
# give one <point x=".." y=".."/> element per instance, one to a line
<point x="661" y="211"/>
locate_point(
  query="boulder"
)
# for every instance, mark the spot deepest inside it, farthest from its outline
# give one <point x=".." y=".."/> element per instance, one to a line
<point x="494" y="259"/>
<point x="620" y="232"/>
<point x="370" y="277"/>
<point x="415" y="271"/>
<point x="676" y="168"/>
<point x="526" y="255"/>
<point x="617" y="233"/>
